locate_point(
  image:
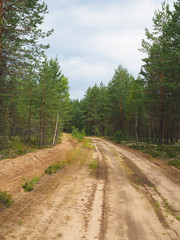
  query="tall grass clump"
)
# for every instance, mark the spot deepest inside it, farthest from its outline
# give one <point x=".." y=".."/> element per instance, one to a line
<point x="77" y="134"/>
<point x="29" y="185"/>
<point x="54" y="168"/>
<point x="6" y="199"/>
<point x="93" y="164"/>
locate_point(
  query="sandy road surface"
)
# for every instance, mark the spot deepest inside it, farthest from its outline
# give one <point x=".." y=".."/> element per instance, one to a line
<point x="128" y="197"/>
<point x="140" y="201"/>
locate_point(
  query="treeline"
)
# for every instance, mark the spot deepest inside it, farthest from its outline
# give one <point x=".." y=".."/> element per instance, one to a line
<point x="146" y="108"/>
<point x="34" y="93"/>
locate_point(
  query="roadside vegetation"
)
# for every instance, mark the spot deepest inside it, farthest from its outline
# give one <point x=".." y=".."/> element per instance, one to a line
<point x="77" y="134"/>
<point x="79" y="154"/>
<point x="14" y="146"/>
<point x="93" y="164"/>
<point x="29" y="184"/>
<point x="54" y="168"/>
<point x="87" y="143"/>
<point x="169" y="152"/>
<point x="6" y="200"/>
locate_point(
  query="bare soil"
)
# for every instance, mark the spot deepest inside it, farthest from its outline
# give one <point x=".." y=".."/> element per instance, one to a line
<point x="130" y="196"/>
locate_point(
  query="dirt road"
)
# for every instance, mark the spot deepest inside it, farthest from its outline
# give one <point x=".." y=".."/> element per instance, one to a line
<point x="127" y="197"/>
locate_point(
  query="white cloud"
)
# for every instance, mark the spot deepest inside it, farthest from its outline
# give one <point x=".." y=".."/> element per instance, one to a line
<point x="86" y="71"/>
<point x="92" y="38"/>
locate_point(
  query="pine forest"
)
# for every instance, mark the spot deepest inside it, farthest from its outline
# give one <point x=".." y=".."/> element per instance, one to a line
<point x="35" y="104"/>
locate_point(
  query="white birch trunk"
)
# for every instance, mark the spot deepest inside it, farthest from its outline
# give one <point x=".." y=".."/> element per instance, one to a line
<point x="55" y="133"/>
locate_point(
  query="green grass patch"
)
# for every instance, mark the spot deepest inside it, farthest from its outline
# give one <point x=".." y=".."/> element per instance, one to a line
<point x="93" y="164"/>
<point x="54" y="168"/>
<point x="6" y="200"/>
<point x="87" y="143"/>
<point x="29" y="185"/>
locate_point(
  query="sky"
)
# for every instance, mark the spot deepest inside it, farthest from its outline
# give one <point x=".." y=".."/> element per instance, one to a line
<point x="92" y="38"/>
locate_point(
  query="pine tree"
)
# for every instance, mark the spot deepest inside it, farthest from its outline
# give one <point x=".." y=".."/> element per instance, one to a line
<point x="159" y="72"/>
<point x="117" y="98"/>
<point x="20" y="50"/>
<point x="53" y="99"/>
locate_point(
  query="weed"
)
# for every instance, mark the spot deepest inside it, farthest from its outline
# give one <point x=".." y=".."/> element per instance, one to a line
<point x="6" y="200"/>
<point x="157" y="205"/>
<point x="93" y="164"/>
<point x="19" y="223"/>
<point x="29" y="185"/>
<point x="54" y="168"/>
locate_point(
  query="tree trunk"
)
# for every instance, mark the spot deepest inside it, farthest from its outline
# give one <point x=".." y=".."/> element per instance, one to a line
<point x="136" y="125"/>
<point x="55" y="133"/>
<point x="161" y="122"/>
<point x="29" y="117"/>
<point x="42" y="119"/>
<point x="1" y="30"/>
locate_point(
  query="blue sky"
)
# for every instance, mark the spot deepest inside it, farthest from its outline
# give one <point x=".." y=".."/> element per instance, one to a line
<point x="92" y="37"/>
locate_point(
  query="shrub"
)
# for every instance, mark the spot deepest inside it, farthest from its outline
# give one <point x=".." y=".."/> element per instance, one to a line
<point x="29" y="185"/>
<point x="6" y="200"/>
<point x="164" y="151"/>
<point x="153" y="153"/>
<point x="87" y="143"/>
<point x="171" y="154"/>
<point x="175" y="161"/>
<point x="96" y="132"/>
<point x="118" y="136"/>
<point x="54" y="168"/>
<point x="4" y="143"/>
<point x="78" y="135"/>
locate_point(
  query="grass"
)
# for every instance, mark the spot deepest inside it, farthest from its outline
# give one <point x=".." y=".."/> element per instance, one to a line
<point x="76" y="155"/>
<point x="170" y="209"/>
<point x="87" y="143"/>
<point x="6" y="200"/>
<point x="93" y="164"/>
<point x="53" y="168"/>
<point x="19" y="223"/>
<point x="29" y="185"/>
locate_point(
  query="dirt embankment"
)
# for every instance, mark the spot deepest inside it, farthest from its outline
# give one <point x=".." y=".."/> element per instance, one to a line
<point x="13" y="171"/>
<point x="127" y="198"/>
